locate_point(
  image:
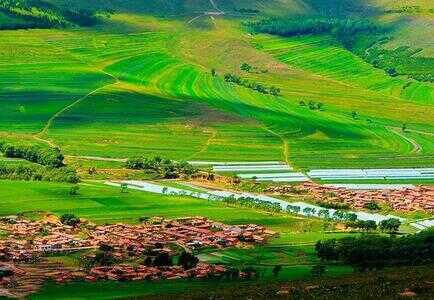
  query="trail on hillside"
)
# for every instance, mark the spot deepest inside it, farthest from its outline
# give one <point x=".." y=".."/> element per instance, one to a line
<point x="206" y="145"/>
<point x="210" y="14"/>
<point x="215" y="6"/>
<point x="285" y="146"/>
<point x="44" y="131"/>
<point x="416" y="147"/>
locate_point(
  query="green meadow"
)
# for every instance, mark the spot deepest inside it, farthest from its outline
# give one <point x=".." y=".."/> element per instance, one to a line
<point x="146" y="88"/>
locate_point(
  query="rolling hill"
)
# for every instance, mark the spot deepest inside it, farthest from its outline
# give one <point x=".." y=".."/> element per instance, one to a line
<point x="141" y="81"/>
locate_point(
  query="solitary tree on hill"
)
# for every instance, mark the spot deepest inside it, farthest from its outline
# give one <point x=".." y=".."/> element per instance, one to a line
<point x="246" y="67"/>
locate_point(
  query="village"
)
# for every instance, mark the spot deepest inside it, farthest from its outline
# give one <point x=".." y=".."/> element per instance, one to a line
<point x="407" y="199"/>
<point x="118" y="251"/>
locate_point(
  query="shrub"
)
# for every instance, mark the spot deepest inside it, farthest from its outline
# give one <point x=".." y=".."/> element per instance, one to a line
<point x="51" y="157"/>
<point x="373" y="251"/>
<point x="187" y="260"/>
<point x="69" y="219"/>
<point x="37" y="173"/>
<point x="164" y="168"/>
<point x="371" y="205"/>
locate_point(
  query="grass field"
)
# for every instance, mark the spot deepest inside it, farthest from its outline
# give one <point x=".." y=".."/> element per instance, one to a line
<point x="101" y="93"/>
<point x="120" y="95"/>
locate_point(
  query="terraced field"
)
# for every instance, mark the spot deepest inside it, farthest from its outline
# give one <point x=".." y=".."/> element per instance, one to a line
<point x="324" y="56"/>
<point x="116" y="95"/>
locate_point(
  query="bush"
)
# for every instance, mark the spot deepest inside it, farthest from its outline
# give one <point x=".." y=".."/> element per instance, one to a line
<point x="50" y="157"/>
<point x="372" y="251"/>
<point x="372" y="206"/>
<point x="187" y="260"/>
<point x="390" y="225"/>
<point x="164" y="168"/>
<point x="69" y="219"/>
<point x="37" y="173"/>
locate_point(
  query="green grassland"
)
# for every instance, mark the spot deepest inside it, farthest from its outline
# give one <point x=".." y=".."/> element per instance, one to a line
<point x="137" y="84"/>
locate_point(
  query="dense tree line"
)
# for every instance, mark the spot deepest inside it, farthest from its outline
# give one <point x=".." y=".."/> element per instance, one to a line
<point x="232" y="78"/>
<point x="333" y="205"/>
<point x="400" y="61"/>
<point x="253" y="203"/>
<point x="345" y="30"/>
<point x="41" y="14"/>
<point x="161" y="167"/>
<point x="362" y="37"/>
<point x="373" y="251"/>
<point x="51" y="157"/>
<point x="37" y="173"/>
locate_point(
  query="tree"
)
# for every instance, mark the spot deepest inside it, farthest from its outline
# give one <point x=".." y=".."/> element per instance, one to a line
<point x="390" y="225"/>
<point x="246" y="67"/>
<point x="392" y="72"/>
<point x="73" y="191"/>
<point x="187" y="260"/>
<point x="370" y="225"/>
<point x="354" y="115"/>
<point x="124" y="187"/>
<point x="318" y="270"/>
<point x="350" y="217"/>
<point x="404" y="127"/>
<point x="371" y="205"/>
<point x="163" y="259"/>
<point x="276" y="270"/>
<point x="213" y="72"/>
<point x="274" y="91"/>
<point x="69" y="219"/>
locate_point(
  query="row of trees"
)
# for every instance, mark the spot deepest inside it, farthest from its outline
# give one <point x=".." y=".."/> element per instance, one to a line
<point x="333" y="205"/>
<point x="373" y="251"/>
<point x="37" y="173"/>
<point x="349" y="218"/>
<point x="344" y="30"/>
<point x="312" y="105"/>
<point x="260" y="88"/>
<point x="338" y="215"/>
<point x="50" y="157"/>
<point x="253" y="203"/>
<point x="161" y="167"/>
<point x="400" y="61"/>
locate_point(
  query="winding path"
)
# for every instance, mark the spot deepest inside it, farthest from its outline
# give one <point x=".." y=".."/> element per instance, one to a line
<point x="206" y="145"/>
<point x="44" y="131"/>
<point x="416" y="147"/>
<point x="285" y="146"/>
<point x="211" y="14"/>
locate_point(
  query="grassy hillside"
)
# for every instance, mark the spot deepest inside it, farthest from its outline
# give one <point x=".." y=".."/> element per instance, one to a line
<point x="136" y="84"/>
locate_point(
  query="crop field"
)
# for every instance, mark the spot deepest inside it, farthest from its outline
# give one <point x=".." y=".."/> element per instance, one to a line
<point x="117" y="95"/>
<point x="104" y="204"/>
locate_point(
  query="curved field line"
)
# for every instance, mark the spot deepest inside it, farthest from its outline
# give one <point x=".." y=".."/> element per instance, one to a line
<point x="50" y="121"/>
<point x="421" y="132"/>
<point x="206" y="145"/>
<point x="416" y="147"/>
<point x="285" y="147"/>
<point x="195" y="18"/>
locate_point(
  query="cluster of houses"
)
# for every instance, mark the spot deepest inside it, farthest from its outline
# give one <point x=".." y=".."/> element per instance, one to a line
<point x="25" y="243"/>
<point x="190" y="233"/>
<point x="407" y="199"/>
<point x="126" y="272"/>
<point x="24" y="239"/>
